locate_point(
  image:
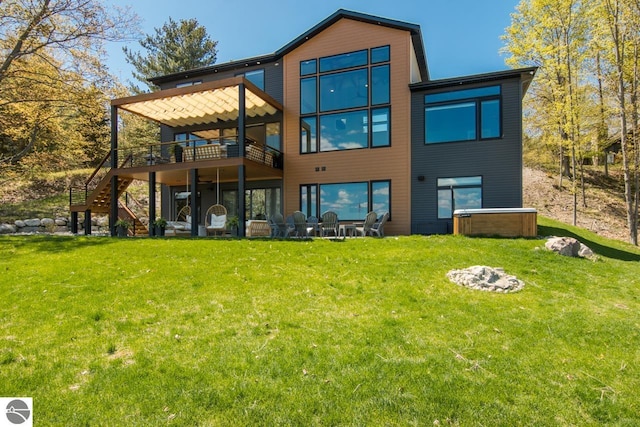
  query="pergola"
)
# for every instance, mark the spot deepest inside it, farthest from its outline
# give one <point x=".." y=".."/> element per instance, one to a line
<point x="233" y="99"/>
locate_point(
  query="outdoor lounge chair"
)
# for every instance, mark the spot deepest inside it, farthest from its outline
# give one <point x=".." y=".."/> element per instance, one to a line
<point x="182" y="224"/>
<point x="300" y="224"/>
<point x="313" y="228"/>
<point x="279" y="228"/>
<point x="258" y="228"/>
<point x="369" y="220"/>
<point x="378" y="227"/>
<point x="330" y="223"/>
<point x="216" y="220"/>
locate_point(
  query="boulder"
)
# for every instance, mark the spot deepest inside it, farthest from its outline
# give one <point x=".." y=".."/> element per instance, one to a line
<point x="34" y="222"/>
<point x="585" y="251"/>
<point x="485" y="278"/>
<point x="61" y="221"/>
<point x="568" y="246"/>
<point x="20" y="223"/>
<point x="7" y="228"/>
<point x="47" y="222"/>
<point x="102" y="221"/>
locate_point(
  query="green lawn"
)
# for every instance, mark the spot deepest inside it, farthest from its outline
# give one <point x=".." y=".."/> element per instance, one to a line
<point x="103" y="331"/>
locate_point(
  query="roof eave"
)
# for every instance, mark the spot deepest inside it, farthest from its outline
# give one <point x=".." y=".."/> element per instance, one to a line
<point x="524" y="74"/>
<point x="226" y="66"/>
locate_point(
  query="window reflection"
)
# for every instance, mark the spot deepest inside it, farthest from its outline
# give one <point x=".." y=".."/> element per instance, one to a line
<point x="458" y="193"/>
<point x="308" y="135"/>
<point x="342" y="61"/>
<point x="344" y="131"/>
<point x="344" y="90"/>
<point x="346" y="81"/>
<point x="350" y="200"/>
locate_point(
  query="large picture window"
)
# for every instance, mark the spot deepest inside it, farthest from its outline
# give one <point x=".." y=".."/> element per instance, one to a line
<point x="463" y="115"/>
<point x="350" y="200"/>
<point x="458" y="193"/>
<point x="348" y="96"/>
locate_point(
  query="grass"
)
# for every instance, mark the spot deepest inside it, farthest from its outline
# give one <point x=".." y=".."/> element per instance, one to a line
<point x="103" y="331"/>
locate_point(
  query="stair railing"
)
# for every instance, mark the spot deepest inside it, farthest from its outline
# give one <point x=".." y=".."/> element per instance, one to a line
<point x="79" y="195"/>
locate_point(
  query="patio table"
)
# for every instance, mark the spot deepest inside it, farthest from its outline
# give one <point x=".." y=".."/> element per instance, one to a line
<point x="348" y="230"/>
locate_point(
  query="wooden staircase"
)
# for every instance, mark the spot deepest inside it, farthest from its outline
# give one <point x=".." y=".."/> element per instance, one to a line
<point x="98" y="199"/>
<point x="137" y="227"/>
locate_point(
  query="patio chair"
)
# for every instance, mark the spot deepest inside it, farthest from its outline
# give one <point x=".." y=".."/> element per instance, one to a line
<point x="258" y="228"/>
<point x="215" y="220"/>
<point x="378" y="227"/>
<point x="182" y="223"/>
<point x="369" y="220"/>
<point x="312" y="226"/>
<point x="279" y="227"/>
<point x="290" y="225"/>
<point x="330" y="223"/>
<point x="300" y="224"/>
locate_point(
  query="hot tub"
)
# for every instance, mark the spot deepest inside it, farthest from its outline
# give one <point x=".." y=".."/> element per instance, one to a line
<point x="506" y="222"/>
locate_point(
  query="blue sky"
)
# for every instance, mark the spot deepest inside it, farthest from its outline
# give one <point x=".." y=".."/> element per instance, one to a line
<point x="461" y="37"/>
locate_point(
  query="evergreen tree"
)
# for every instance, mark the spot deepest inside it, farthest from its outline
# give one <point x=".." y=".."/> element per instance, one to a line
<point x="177" y="46"/>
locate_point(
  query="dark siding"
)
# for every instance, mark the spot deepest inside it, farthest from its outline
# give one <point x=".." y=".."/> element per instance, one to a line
<point x="273" y="83"/>
<point x="499" y="162"/>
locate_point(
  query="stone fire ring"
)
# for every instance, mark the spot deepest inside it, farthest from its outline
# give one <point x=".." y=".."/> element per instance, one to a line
<point x="483" y="278"/>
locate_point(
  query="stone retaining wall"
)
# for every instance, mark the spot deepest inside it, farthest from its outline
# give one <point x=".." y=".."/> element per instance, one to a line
<point x="99" y="224"/>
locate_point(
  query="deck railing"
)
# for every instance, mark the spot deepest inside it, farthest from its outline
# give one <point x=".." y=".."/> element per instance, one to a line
<point x="197" y="150"/>
<point x="176" y="152"/>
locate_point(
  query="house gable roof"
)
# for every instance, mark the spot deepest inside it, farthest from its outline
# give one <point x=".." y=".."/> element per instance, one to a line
<point x="413" y="29"/>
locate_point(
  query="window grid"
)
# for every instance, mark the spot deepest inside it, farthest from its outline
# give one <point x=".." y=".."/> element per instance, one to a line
<point x="350" y="200"/>
<point x="314" y="105"/>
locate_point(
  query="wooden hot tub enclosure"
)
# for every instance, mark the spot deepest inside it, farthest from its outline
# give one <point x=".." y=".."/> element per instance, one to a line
<point x="507" y="222"/>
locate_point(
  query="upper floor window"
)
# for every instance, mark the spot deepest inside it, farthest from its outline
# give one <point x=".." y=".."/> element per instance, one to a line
<point x="187" y="84"/>
<point x="348" y="96"/>
<point x="463" y="115"/>
<point x="255" y="76"/>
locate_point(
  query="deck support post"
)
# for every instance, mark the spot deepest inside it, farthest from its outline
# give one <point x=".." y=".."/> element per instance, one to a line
<point x="242" y="220"/>
<point x="114" y="137"/>
<point x="74" y="222"/>
<point x="113" y="214"/>
<point x="195" y="212"/>
<point x="242" y="131"/>
<point x="152" y="203"/>
<point x="87" y="222"/>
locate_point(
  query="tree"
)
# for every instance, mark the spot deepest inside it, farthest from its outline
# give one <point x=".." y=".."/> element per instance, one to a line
<point x="50" y="71"/>
<point x="177" y="46"/>
<point x="551" y="34"/>
<point x="619" y="29"/>
<point x="65" y="29"/>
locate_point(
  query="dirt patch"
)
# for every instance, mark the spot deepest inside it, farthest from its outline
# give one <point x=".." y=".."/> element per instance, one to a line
<point x="604" y="213"/>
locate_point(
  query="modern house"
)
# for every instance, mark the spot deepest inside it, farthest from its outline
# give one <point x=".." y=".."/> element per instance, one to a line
<point x="343" y="118"/>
